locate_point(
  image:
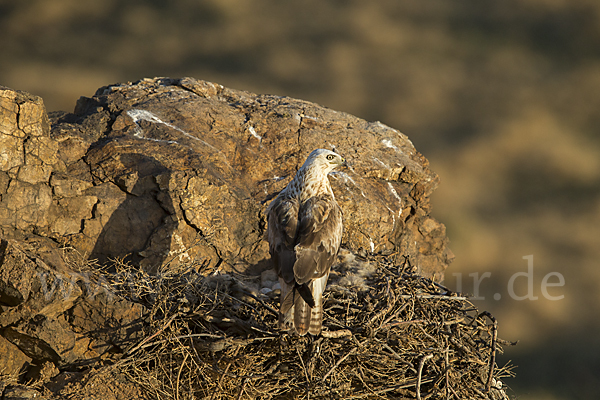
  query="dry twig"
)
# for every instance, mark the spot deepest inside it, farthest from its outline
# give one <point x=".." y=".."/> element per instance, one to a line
<point x="375" y="343"/>
<point x="421" y="363"/>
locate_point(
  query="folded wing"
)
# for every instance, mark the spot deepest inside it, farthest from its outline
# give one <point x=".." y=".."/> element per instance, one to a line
<point x="304" y="241"/>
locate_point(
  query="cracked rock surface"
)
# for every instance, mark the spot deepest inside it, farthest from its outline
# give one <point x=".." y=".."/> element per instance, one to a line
<point x="161" y="172"/>
<point x="168" y="170"/>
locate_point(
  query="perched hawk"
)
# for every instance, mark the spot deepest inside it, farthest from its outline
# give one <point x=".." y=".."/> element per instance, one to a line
<point x="305" y="232"/>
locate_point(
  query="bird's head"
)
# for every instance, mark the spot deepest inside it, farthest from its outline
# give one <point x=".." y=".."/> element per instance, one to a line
<point x="325" y="160"/>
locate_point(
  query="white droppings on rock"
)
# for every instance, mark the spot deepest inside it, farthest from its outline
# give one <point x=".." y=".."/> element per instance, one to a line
<point x="307" y="117"/>
<point x="388" y="143"/>
<point x="253" y="133"/>
<point x="144" y="115"/>
<point x="391" y="187"/>
<point x="378" y="161"/>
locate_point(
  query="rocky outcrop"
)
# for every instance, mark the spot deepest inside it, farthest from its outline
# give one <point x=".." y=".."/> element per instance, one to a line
<point x="168" y="172"/>
<point x="67" y="318"/>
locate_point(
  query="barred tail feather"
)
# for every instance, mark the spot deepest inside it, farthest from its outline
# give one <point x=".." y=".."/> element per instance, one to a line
<point x="302" y="316"/>
<point x="296" y="314"/>
<point x="316" y="320"/>
<point x="316" y="315"/>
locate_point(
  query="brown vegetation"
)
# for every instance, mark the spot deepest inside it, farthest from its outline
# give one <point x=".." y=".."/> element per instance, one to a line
<point x="396" y="335"/>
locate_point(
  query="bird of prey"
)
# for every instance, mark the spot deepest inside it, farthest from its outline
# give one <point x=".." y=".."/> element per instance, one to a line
<point x="304" y="234"/>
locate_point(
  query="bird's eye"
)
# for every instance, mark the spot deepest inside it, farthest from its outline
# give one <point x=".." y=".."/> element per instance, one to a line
<point x="330" y="157"/>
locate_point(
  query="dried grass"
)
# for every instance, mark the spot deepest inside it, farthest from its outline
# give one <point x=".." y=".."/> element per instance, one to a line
<point x="213" y="337"/>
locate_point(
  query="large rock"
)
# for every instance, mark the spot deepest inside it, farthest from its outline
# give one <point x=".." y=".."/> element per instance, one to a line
<point x="67" y="318"/>
<point x="163" y="173"/>
<point x="14" y="361"/>
<point x="168" y="171"/>
<point x="27" y="155"/>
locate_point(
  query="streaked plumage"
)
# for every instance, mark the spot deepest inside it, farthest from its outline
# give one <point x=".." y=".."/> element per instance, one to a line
<point x="304" y="234"/>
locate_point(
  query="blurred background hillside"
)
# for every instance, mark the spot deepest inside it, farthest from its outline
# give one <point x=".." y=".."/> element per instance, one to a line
<point x="503" y="98"/>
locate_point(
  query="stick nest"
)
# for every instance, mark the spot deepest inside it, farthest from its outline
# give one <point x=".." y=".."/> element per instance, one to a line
<point x="395" y="335"/>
